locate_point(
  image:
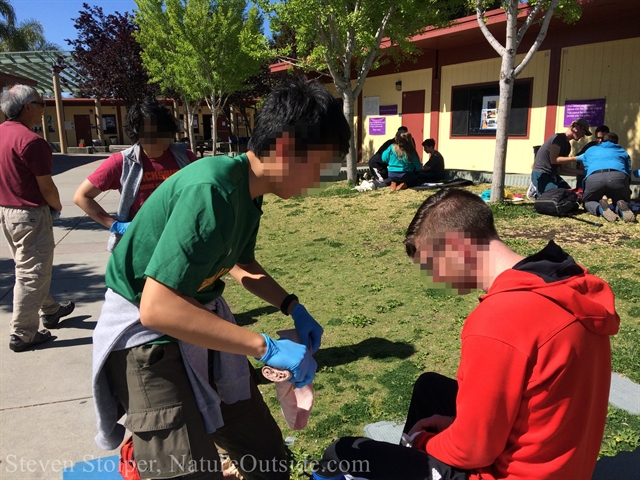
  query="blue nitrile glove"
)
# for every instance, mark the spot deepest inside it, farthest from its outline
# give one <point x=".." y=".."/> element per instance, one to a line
<point x="291" y="356"/>
<point x="309" y="330"/>
<point x="119" y="227"/>
<point x="636" y="173"/>
<point x="54" y="214"/>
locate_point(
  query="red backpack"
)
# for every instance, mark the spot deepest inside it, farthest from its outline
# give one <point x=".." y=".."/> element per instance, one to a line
<point x="128" y="468"/>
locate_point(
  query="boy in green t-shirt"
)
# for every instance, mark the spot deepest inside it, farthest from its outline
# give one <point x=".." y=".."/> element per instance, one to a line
<point x="166" y="348"/>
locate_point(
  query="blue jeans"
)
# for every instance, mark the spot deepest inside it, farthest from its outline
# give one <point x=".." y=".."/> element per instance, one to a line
<point x="545" y="182"/>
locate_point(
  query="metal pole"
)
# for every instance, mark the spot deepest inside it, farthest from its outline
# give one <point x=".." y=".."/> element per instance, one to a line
<point x="99" y="121"/>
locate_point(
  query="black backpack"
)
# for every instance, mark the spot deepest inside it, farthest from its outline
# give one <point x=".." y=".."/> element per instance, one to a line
<point x="558" y="202"/>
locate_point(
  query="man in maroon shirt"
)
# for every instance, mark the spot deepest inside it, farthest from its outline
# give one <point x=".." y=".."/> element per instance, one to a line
<point x="28" y="202"/>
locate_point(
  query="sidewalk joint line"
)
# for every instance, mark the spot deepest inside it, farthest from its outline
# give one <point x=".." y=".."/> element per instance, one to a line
<point x="43" y="404"/>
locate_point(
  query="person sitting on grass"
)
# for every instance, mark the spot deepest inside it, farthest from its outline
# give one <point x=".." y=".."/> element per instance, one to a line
<point x="403" y="162"/>
<point x="531" y="395"/>
<point x="137" y="171"/>
<point x="378" y="169"/>
<point x="166" y="348"/>
<point x="433" y="170"/>
<point x="607" y="173"/>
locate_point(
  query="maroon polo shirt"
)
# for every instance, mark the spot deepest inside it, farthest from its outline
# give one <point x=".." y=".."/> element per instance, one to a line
<point x="24" y="156"/>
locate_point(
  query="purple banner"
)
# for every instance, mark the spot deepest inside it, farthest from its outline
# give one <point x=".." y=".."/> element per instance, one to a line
<point x="591" y="110"/>
<point x="388" y="109"/>
<point x="377" y="126"/>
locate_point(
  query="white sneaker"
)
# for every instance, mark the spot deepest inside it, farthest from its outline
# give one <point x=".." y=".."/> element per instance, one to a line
<point x="532" y="192"/>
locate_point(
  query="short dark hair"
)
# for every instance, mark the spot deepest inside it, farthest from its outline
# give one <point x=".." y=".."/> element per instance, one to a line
<point x="611" y="137"/>
<point x="451" y="210"/>
<point x="602" y="128"/>
<point x="147" y="108"/>
<point x="402" y="129"/>
<point x="429" y="142"/>
<point x="306" y="108"/>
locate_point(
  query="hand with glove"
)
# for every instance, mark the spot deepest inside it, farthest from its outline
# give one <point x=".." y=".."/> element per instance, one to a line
<point x="290" y="356"/>
<point x="119" y="227"/>
<point x="55" y="214"/>
<point x="309" y="330"/>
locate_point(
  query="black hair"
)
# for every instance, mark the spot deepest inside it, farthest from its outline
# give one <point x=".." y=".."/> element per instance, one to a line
<point x="305" y="108"/>
<point x="611" y="137"/>
<point x="402" y="129"/>
<point x="602" y="128"/>
<point x="166" y="125"/>
<point x="451" y="210"/>
<point x="429" y="142"/>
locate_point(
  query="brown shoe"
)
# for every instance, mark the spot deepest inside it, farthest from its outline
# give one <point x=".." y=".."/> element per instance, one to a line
<point x="393" y="187"/>
<point x="625" y="212"/>
<point x="401" y="186"/>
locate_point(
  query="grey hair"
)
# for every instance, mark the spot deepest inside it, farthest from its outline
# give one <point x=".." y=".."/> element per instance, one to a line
<point x="15" y="98"/>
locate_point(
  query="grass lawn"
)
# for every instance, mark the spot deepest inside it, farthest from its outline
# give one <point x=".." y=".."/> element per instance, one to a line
<point x="341" y="252"/>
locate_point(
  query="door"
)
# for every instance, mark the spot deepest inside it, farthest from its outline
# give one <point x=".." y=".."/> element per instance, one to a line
<point x="224" y="131"/>
<point x="413" y="116"/>
<point x="83" y="129"/>
<point x="206" y="126"/>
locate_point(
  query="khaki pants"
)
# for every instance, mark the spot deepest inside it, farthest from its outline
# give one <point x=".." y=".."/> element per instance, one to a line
<point x="169" y="438"/>
<point x="29" y="234"/>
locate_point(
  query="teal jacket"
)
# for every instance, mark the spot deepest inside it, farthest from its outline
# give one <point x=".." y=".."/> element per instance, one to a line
<point x="399" y="165"/>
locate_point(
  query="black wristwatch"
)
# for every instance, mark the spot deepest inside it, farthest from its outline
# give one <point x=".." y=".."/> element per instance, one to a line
<point x="284" y="308"/>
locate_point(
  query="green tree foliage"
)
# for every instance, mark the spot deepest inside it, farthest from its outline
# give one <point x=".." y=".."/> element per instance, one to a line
<point x="536" y="11"/>
<point x="24" y="36"/>
<point x="201" y="48"/>
<point x="343" y="37"/>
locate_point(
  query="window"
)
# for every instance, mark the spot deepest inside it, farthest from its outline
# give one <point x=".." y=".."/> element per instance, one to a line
<point x="109" y="123"/>
<point x="475" y="109"/>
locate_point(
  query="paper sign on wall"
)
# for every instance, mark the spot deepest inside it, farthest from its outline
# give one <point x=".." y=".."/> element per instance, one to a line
<point x="489" y="113"/>
<point x="388" y="109"/>
<point x="590" y="110"/>
<point x="69" y="126"/>
<point x="377" y="126"/>
<point x="371" y="106"/>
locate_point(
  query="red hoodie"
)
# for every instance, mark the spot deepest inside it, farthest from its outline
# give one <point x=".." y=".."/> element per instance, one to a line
<point x="534" y="374"/>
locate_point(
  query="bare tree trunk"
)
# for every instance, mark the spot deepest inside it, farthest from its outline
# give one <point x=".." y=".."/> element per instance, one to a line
<point x="189" y="109"/>
<point x="211" y="102"/>
<point x="507" y="77"/>
<point x="352" y="156"/>
<point x="502" y="136"/>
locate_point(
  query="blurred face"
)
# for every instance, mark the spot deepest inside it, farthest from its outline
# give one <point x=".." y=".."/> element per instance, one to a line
<point x="578" y="132"/>
<point x="599" y="137"/>
<point x="452" y="262"/>
<point x="293" y="172"/>
<point x="152" y="141"/>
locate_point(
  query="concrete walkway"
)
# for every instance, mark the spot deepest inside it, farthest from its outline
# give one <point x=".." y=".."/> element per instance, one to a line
<point x="47" y="421"/>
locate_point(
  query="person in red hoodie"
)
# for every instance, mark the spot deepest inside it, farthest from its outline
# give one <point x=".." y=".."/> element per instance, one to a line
<point x="530" y="398"/>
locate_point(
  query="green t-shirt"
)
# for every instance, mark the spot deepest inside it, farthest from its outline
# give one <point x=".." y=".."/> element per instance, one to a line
<point x="194" y="228"/>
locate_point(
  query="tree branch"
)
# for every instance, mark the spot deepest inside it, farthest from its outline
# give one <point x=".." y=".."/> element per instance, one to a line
<point x="539" y="39"/>
<point x="527" y="23"/>
<point x="371" y="56"/>
<point x="485" y="30"/>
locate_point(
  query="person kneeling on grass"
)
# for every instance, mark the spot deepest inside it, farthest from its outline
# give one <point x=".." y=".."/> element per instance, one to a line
<point x="166" y="349"/>
<point x="531" y="395"/>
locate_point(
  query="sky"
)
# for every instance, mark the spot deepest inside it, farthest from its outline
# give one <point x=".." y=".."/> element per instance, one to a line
<point x="56" y="15"/>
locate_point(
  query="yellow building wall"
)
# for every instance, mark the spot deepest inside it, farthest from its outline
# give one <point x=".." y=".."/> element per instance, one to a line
<point x="608" y="70"/>
<point x="384" y="87"/>
<point x="69" y="112"/>
<point x="473" y="153"/>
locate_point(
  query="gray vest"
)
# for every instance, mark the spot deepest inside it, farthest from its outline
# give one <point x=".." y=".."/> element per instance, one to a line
<point x="131" y="179"/>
